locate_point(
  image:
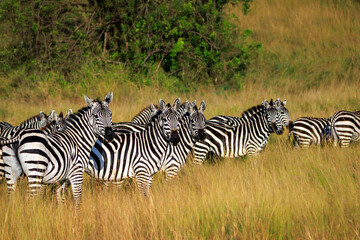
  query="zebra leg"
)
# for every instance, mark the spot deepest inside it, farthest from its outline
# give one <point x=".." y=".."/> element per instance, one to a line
<point x="200" y="151"/>
<point x="60" y="192"/>
<point x="143" y="181"/>
<point x="171" y="172"/>
<point x="334" y="136"/>
<point x="76" y="181"/>
<point x="344" y="142"/>
<point x="13" y="169"/>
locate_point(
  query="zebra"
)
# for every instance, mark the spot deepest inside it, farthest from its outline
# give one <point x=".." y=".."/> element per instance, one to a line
<point x="137" y="154"/>
<point x="309" y="130"/>
<point x="345" y="127"/>
<point x="192" y="129"/>
<point x="8" y="131"/>
<point x="175" y="156"/>
<point x="55" y="123"/>
<point x="63" y="155"/>
<point x="247" y="136"/>
<point x="284" y="116"/>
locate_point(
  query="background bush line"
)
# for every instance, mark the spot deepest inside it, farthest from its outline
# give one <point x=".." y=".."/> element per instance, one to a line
<point x="190" y="40"/>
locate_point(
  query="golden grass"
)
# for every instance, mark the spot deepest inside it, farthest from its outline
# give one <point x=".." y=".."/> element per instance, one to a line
<point x="284" y="193"/>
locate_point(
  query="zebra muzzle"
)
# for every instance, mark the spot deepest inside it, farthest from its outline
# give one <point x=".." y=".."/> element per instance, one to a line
<point x="201" y="134"/>
<point x="174" y="137"/>
<point x="109" y="134"/>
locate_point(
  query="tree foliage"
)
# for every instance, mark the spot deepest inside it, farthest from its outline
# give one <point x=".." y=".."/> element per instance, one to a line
<point x="190" y="39"/>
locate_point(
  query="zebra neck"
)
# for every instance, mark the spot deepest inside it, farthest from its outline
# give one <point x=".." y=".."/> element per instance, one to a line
<point x="154" y="132"/>
<point x="81" y="130"/>
<point x="261" y="119"/>
<point x="185" y="132"/>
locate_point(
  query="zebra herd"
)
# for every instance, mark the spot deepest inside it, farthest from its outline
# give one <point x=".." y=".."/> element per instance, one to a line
<point x="57" y="149"/>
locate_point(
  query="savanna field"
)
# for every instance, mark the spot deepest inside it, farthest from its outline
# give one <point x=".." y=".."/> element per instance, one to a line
<point x="310" y="56"/>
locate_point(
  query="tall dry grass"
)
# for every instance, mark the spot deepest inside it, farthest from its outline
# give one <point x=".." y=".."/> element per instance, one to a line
<point x="310" y="57"/>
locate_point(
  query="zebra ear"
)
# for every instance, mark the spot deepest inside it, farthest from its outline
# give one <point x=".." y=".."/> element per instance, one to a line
<point x="108" y="98"/>
<point x="266" y="104"/>
<point x="188" y="107"/>
<point x="68" y="113"/>
<point x="53" y="116"/>
<point x="42" y="115"/>
<point x="88" y="101"/>
<point x="153" y="108"/>
<point x="202" y="106"/>
<point x="161" y="105"/>
<point x="177" y="104"/>
<point x="284" y="102"/>
<point x="278" y="103"/>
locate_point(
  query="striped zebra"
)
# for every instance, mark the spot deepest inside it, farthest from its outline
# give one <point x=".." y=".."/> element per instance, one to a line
<point x="55" y="123"/>
<point x="63" y="155"/>
<point x="345" y="127"/>
<point x="245" y="136"/>
<point x="7" y="131"/>
<point x="309" y="130"/>
<point x="137" y="155"/>
<point x="279" y="106"/>
<point x="192" y="129"/>
<point x="175" y="156"/>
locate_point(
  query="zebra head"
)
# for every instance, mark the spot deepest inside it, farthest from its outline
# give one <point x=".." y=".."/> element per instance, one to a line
<point x="273" y="117"/>
<point x="169" y="121"/>
<point x="197" y="120"/>
<point x="53" y="117"/>
<point x="284" y="114"/>
<point x="100" y="116"/>
<point x="61" y="122"/>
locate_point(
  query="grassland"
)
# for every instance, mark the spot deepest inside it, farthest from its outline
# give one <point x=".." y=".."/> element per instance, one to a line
<point x="310" y="57"/>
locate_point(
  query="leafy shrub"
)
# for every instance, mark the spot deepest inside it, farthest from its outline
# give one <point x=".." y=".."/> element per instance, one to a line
<point x="191" y="40"/>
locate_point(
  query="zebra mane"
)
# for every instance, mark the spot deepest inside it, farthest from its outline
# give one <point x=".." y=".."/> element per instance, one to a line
<point x="33" y="118"/>
<point x="74" y="115"/>
<point x="144" y="109"/>
<point x="249" y="113"/>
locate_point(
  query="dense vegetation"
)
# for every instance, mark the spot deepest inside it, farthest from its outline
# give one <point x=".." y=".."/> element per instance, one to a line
<point x="190" y="40"/>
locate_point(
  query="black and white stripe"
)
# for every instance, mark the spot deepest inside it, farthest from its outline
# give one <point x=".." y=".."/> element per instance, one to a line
<point x="144" y="116"/>
<point x="137" y="154"/>
<point x="63" y="155"/>
<point x="244" y="136"/>
<point x="192" y="129"/>
<point x="7" y="131"/>
<point x="345" y="127"/>
<point x="309" y="130"/>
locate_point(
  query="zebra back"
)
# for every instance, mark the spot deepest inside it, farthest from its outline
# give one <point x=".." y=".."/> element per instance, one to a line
<point x="309" y="130"/>
<point x="8" y="131"/>
<point x="345" y="127"/>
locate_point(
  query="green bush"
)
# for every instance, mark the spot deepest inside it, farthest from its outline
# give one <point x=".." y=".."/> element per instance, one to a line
<point x="195" y="41"/>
